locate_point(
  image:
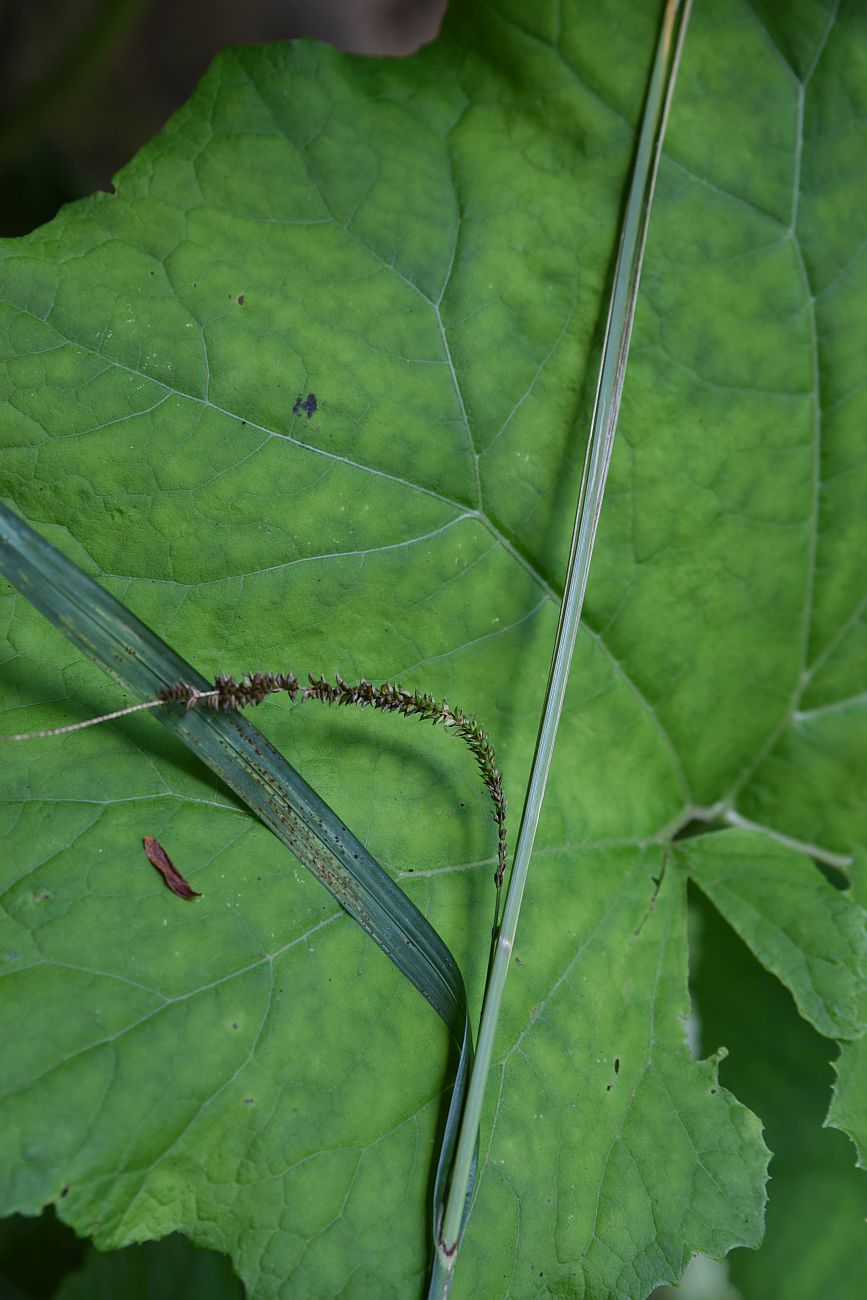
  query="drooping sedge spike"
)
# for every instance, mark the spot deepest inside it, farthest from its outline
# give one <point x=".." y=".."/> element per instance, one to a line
<point x="389" y="697"/>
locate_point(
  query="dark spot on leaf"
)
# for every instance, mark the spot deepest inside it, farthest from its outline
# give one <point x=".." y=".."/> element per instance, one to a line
<point x="241" y="300"/>
<point x="234" y="1024"/>
<point x="308" y="405"/>
<point x="41" y="898"/>
<point x="64" y="1191"/>
<point x="164" y="865"/>
<point x="249" y="1101"/>
<point x="151" y="274"/>
<point x="712" y="1091"/>
<point x="617" y="1065"/>
<point x="608" y="1087"/>
<point x="518" y="961"/>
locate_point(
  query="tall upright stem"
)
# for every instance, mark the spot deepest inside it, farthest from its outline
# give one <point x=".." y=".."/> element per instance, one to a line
<point x="603" y="424"/>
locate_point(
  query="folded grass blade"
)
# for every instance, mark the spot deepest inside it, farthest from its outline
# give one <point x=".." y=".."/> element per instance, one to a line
<point x="241" y="756"/>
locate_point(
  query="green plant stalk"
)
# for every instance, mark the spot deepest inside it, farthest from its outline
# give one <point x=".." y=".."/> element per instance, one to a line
<point x="602" y="428"/>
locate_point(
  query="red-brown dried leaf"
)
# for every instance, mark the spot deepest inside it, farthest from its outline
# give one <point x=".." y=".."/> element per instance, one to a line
<point x="167" y="869"/>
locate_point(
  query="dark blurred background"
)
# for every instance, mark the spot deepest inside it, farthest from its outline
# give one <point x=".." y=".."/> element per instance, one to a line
<point x="84" y="83"/>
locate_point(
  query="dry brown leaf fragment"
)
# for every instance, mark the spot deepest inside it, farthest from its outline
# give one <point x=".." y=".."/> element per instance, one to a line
<point x="167" y="869"/>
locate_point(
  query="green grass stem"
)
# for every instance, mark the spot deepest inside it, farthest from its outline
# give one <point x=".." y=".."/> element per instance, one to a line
<point x="603" y="424"/>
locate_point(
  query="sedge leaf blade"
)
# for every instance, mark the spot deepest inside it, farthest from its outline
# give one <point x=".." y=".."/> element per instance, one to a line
<point x="240" y="756"/>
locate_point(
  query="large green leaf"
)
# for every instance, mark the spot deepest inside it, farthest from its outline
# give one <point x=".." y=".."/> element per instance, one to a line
<point x="424" y="246"/>
<point x="809" y="934"/>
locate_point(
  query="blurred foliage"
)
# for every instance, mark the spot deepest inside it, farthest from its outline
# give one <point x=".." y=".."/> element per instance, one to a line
<point x="42" y="1259"/>
<point x="780" y="1068"/>
<point x="35" y="1256"/>
<point x="85" y="83"/>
